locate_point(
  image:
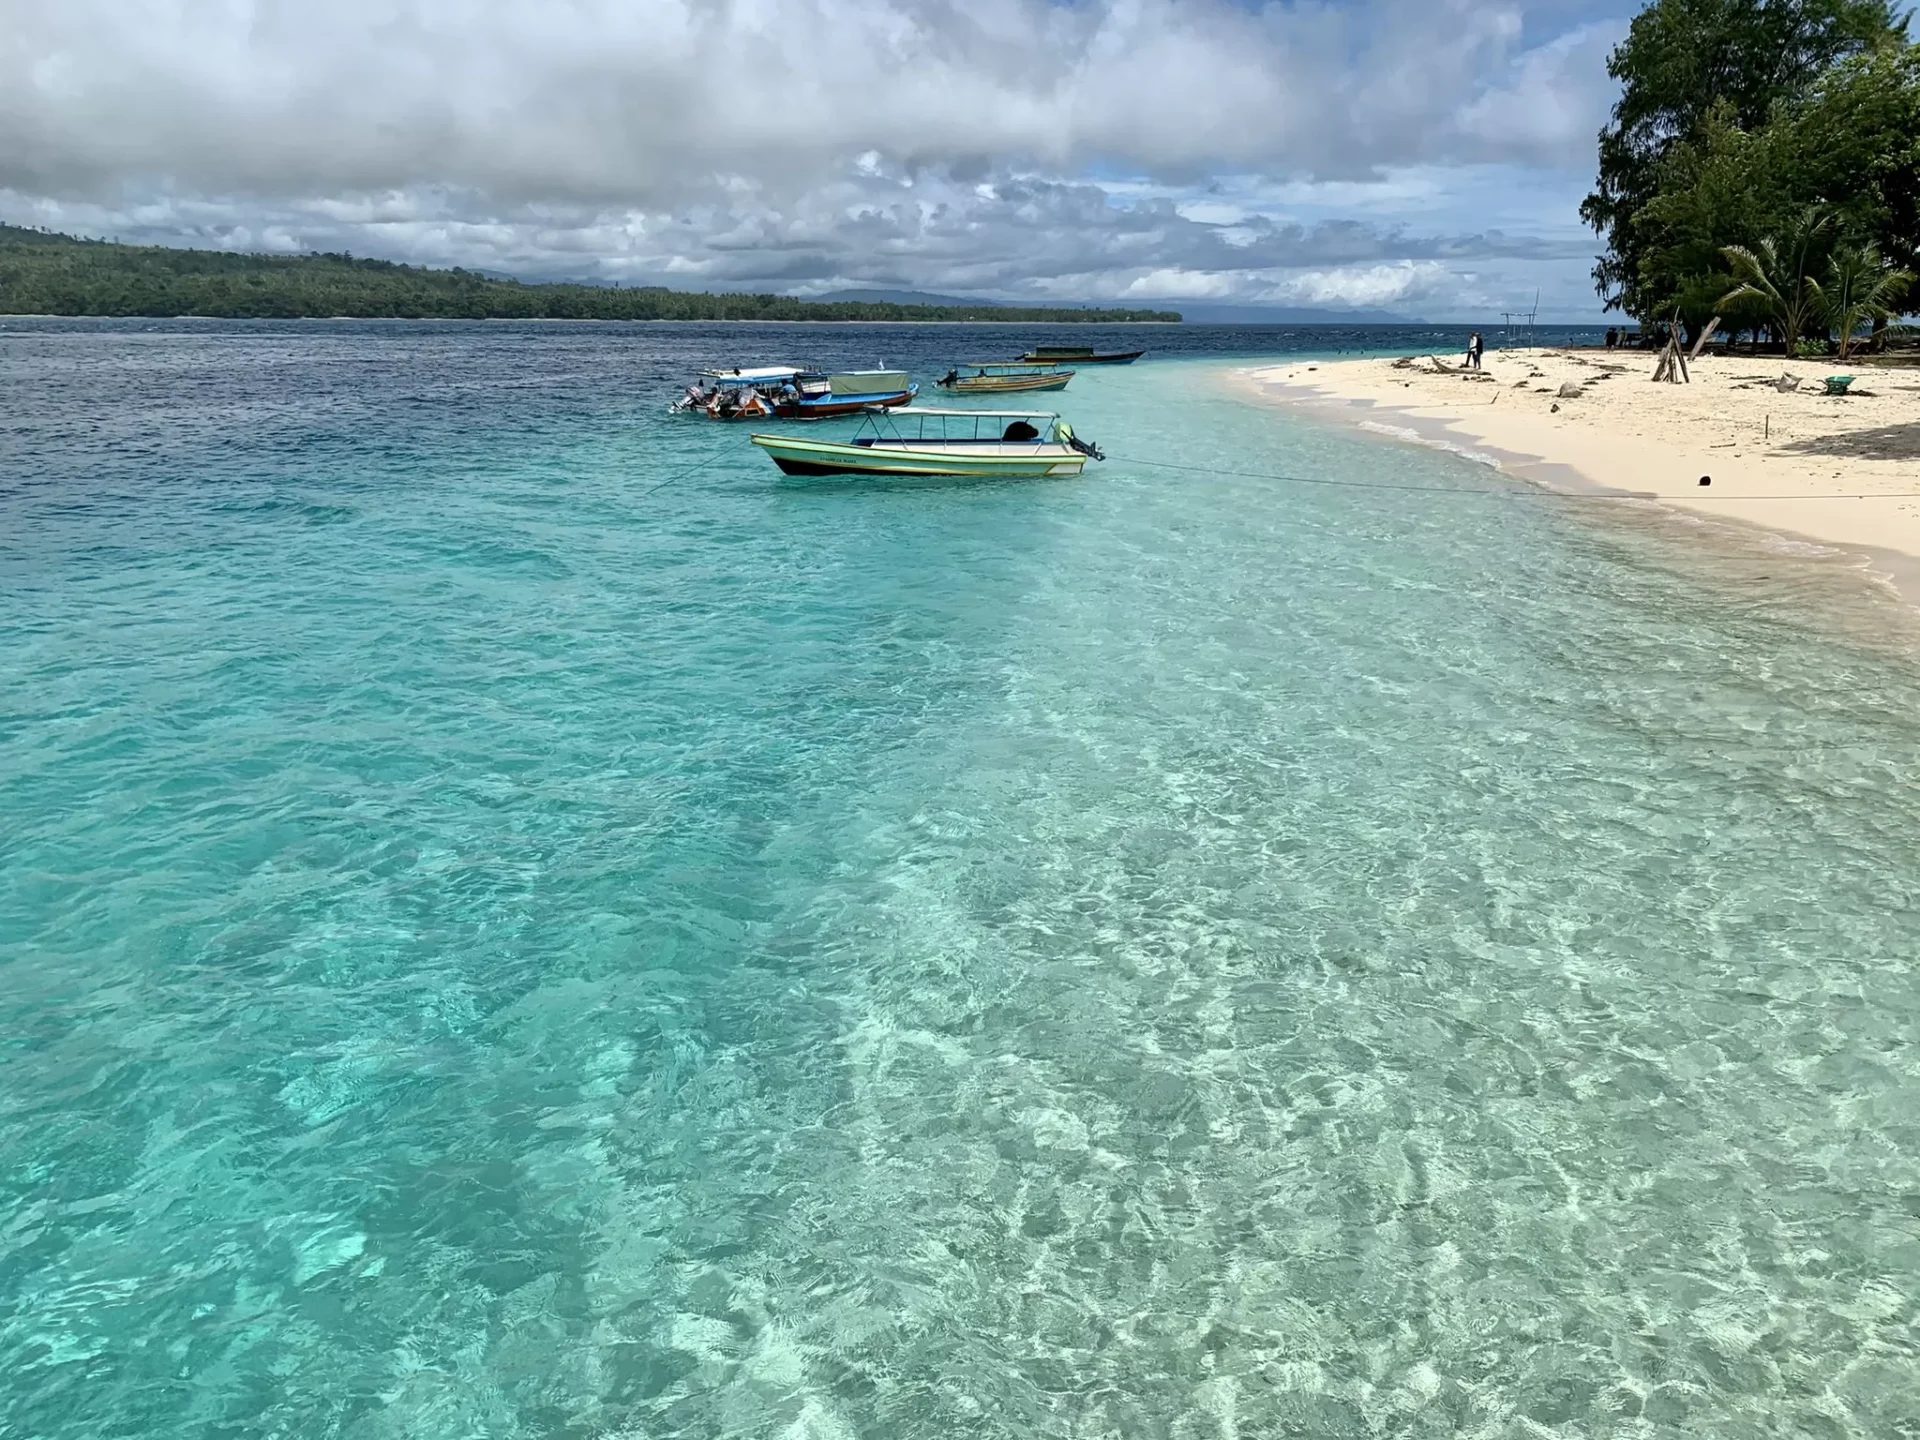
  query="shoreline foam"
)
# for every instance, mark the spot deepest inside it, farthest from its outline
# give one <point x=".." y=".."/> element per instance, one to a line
<point x="1786" y="464"/>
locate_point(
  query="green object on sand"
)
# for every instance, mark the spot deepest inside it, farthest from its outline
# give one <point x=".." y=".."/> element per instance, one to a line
<point x="1837" y="384"/>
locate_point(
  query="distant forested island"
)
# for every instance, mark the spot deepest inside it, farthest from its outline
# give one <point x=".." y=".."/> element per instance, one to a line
<point x="42" y="273"/>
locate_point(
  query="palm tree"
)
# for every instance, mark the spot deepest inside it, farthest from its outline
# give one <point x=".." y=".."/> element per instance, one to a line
<point x="1775" y="274"/>
<point x="1862" y="288"/>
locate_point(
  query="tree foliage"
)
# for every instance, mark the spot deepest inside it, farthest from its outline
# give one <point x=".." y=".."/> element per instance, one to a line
<point x="1779" y="275"/>
<point x="1690" y="67"/>
<point x="48" y="274"/>
<point x="1848" y="145"/>
<point x="1851" y="142"/>
<point x="1862" y="289"/>
<point x="1708" y="197"/>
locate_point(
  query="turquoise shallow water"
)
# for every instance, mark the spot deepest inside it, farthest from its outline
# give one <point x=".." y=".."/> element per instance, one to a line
<point x="491" y="947"/>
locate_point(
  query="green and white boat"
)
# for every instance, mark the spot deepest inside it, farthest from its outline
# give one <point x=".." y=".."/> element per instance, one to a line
<point x="989" y="444"/>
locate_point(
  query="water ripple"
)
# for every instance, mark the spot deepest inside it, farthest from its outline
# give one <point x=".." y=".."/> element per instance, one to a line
<point x="489" y="949"/>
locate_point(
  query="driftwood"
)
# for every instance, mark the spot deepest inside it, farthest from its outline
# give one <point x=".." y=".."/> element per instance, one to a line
<point x="1673" y="364"/>
<point x="1705" y="335"/>
<point x="1673" y="360"/>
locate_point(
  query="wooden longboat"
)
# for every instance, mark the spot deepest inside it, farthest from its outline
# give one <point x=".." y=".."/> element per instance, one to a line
<point x="1003" y="377"/>
<point x="1078" y="355"/>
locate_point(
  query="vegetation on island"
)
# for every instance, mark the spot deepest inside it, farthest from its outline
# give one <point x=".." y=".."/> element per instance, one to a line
<point x="42" y="273"/>
<point x="1762" y="165"/>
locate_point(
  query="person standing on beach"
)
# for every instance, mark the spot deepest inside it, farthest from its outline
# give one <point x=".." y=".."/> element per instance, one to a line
<point x="1475" y="345"/>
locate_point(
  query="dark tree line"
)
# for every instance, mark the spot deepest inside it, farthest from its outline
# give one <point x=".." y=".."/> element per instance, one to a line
<point x="1762" y="164"/>
<point x="48" y="274"/>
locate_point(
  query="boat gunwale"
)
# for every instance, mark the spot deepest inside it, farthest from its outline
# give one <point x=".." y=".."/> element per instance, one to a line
<point x="1004" y="448"/>
<point x="983" y="384"/>
<point x="828" y="457"/>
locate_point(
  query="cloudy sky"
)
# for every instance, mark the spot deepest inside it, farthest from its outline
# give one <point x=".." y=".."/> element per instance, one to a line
<point x="1424" y="156"/>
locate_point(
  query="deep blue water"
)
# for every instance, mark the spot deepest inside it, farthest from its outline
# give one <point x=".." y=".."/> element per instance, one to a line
<point x="515" y="921"/>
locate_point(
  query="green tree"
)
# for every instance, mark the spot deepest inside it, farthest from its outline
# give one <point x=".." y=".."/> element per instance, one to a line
<point x="1711" y="192"/>
<point x="1680" y="59"/>
<point x="1778" y="273"/>
<point x="1849" y="144"/>
<point x="1851" y="141"/>
<point x="1862" y="289"/>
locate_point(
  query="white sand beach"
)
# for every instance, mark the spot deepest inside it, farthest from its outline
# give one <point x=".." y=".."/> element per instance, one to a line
<point x="1843" y="471"/>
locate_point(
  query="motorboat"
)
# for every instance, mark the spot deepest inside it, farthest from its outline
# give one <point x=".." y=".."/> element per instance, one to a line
<point x="791" y="392"/>
<point x="1079" y="355"/>
<point x="739" y="393"/>
<point x="988" y="444"/>
<point x="846" y="392"/>
<point x="1003" y="377"/>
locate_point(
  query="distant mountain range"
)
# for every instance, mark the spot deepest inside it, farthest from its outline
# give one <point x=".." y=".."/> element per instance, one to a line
<point x="1204" y="314"/>
<point x="42" y="272"/>
<point x="914" y="297"/>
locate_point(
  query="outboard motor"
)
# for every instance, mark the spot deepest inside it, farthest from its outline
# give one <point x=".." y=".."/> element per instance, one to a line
<point x="1085" y="447"/>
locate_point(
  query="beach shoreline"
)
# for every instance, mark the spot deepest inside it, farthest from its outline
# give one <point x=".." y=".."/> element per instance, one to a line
<point x="1837" y="474"/>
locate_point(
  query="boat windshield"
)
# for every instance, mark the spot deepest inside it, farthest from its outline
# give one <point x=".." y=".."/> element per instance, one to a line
<point x="952" y="426"/>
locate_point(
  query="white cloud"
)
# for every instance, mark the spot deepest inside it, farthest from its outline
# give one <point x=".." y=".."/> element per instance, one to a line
<point x="1334" y="287"/>
<point x="732" y="142"/>
<point x="1366" y="285"/>
<point x="1173" y="284"/>
<point x="1550" y="98"/>
<point x="610" y="101"/>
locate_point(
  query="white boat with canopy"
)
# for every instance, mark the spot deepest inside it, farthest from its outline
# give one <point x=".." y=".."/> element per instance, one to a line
<point x="1009" y="444"/>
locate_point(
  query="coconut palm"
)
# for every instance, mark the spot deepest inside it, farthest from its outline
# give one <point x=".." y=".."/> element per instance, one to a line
<point x="1775" y="273"/>
<point x="1862" y="289"/>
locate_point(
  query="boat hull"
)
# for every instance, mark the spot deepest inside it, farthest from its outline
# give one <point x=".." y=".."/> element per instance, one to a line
<point x="1006" y="384"/>
<point x="828" y="406"/>
<point x="1007" y="461"/>
<point x="1043" y="356"/>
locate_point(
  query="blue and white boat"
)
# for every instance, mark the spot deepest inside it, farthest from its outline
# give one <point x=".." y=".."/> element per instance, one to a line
<point x="793" y="392"/>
